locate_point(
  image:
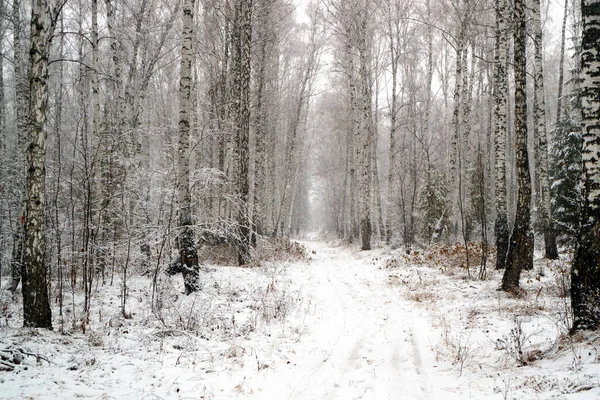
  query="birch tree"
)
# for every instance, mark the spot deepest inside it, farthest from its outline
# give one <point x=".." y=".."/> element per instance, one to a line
<point x="585" y="271"/>
<point x="4" y="212"/>
<point x="540" y="118"/>
<point x="364" y="135"/>
<point x="561" y="63"/>
<point x="241" y="41"/>
<point x="36" y="306"/>
<point x="518" y="254"/>
<point x="2" y="93"/>
<point x="500" y="110"/>
<point x="21" y="117"/>
<point x="188" y="257"/>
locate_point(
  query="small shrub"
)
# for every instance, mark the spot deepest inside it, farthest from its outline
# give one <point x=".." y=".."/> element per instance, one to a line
<point x="447" y="258"/>
<point x="96" y="339"/>
<point x="279" y="249"/>
<point x="514" y="345"/>
<point x="562" y="278"/>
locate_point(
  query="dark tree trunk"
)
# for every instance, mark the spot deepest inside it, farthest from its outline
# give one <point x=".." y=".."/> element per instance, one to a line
<point x="518" y="255"/>
<point x="241" y="85"/>
<point x="36" y="306"/>
<point x="585" y="272"/>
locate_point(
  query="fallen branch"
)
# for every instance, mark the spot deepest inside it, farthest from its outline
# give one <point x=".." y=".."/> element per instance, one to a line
<point x="11" y="358"/>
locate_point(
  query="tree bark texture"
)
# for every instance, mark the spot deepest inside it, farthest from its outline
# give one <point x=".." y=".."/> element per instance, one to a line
<point x="36" y="306"/>
<point x="241" y="100"/>
<point x="261" y="158"/>
<point x="21" y="99"/>
<point x="188" y="256"/>
<point x="561" y="63"/>
<point x="456" y="142"/>
<point x="540" y="112"/>
<point x="585" y="272"/>
<point x="518" y="254"/>
<point x="500" y="130"/>
<point x="364" y="138"/>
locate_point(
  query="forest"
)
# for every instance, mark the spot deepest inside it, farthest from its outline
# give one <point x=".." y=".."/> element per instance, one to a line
<point x="143" y="139"/>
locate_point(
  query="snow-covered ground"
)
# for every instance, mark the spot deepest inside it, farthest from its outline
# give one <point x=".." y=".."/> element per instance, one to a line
<point x="346" y="325"/>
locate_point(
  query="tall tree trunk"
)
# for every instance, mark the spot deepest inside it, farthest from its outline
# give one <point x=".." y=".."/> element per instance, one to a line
<point x="364" y="138"/>
<point x="21" y="99"/>
<point x="261" y="157"/>
<point x="2" y="96"/>
<point x="3" y="136"/>
<point x="36" y="306"/>
<point x="585" y="272"/>
<point x="540" y="113"/>
<point x="500" y="110"/>
<point x="376" y="183"/>
<point x="241" y="113"/>
<point x="456" y="141"/>
<point x="353" y="159"/>
<point x="188" y="257"/>
<point x="393" y="157"/>
<point x="112" y="148"/>
<point x="518" y="254"/>
<point x="58" y="126"/>
<point x="561" y="63"/>
<point x="97" y="248"/>
<point x="429" y="79"/>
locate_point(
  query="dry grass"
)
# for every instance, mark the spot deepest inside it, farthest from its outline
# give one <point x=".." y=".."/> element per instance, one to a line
<point x="422" y="296"/>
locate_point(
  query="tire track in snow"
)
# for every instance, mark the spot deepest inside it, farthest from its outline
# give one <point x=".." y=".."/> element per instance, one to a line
<point x="364" y="336"/>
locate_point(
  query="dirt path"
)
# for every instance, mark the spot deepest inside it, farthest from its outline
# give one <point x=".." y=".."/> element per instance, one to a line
<point x="364" y="340"/>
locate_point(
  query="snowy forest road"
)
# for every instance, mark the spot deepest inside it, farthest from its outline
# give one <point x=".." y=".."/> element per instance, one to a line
<point x="364" y="340"/>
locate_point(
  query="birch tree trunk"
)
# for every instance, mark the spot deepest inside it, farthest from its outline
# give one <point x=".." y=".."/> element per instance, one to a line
<point x="500" y="110"/>
<point x="364" y="138"/>
<point x="380" y="225"/>
<point x="188" y="257"/>
<point x="585" y="272"/>
<point x="456" y="141"/>
<point x="540" y="112"/>
<point x="112" y="145"/>
<point x="22" y="123"/>
<point x="242" y="35"/>
<point x="429" y="79"/>
<point x="392" y="194"/>
<point x="2" y="92"/>
<point x="561" y="64"/>
<point x="353" y="121"/>
<point x="3" y="137"/>
<point x="261" y="158"/>
<point x="36" y="306"/>
<point x="518" y="254"/>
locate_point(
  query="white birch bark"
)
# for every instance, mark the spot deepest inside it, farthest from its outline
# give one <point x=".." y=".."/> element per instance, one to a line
<point x="561" y="63"/>
<point x="365" y="133"/>
<point x="188" y="257"/>
<point x="518" y="254"/>
<point x="36" y="306"/>
<point x="540" y="112"/>
<point x="21" y="100"/>
<point x="585" y="272"/>
<point x="500" y="132"/>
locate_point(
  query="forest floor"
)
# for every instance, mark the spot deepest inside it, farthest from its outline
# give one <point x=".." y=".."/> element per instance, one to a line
<point x="344" y="325"/>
